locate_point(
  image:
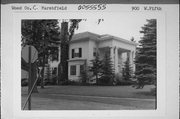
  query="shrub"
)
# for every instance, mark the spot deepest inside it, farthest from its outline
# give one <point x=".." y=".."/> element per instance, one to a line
<point x="127" y="70"/>
<point x="125" y="82"/>
<point x="84" y="77"/>
<point x="96" y="67"/>
<point x="153" y="91"/>
<point x="107" y="70"/>
<point x="118" y="77"/>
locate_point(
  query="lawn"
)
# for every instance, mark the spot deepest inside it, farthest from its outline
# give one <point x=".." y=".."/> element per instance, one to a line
<point x="91" y="97"/>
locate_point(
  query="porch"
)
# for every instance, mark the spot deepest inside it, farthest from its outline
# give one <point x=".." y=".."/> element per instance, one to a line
<point x="118" y="56"/>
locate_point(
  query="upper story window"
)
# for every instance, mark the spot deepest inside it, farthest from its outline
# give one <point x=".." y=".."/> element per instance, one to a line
<point x="76" y="52"/>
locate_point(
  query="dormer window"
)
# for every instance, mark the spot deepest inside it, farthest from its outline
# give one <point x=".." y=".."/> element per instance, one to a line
<point x="76" y="52"/>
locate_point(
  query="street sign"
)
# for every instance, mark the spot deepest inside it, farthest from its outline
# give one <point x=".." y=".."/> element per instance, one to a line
<point x="25" y="52"/>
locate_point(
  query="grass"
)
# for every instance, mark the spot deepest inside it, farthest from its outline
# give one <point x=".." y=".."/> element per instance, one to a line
<point x="107" y="91"/>
<point x="91" y="97"/>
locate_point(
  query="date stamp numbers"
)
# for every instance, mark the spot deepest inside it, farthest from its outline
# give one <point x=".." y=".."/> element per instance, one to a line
<point x="92" y="7"/>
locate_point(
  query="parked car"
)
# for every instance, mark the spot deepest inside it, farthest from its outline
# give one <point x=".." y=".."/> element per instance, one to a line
<point x="24" y="82"/>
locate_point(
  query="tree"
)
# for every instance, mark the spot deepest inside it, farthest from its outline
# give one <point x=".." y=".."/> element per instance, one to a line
<point x="107" y="70"/>
<point x="84" y="76"/>
<point x="41" y="34"/>
<point x="146" y="54"/>
<point x="48" y="73"/>
<point x="127" y="70"/>
<point x="66" y="36"/>
<point x="96" y="67"/>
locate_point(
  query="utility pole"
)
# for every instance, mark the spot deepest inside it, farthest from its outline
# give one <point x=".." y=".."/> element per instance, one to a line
<point x="29" y="79"/>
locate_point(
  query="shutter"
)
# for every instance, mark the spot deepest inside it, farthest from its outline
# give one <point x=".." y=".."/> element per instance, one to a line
<point x="80" y="52"/>
<point x="72" y="53"/>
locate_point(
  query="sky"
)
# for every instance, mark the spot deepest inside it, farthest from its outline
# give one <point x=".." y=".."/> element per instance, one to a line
<point x="123" y="26"/>
<point x="125" y="29"/>
<point x="120" y="24"/>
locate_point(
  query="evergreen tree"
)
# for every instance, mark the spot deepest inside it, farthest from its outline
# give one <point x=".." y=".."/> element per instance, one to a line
<point x="127" y="70"/>
<point x="107" y="70"/>
<point x="84" y="76"/>
<point x="146" y="54"/>
<point x="96" y="67"/>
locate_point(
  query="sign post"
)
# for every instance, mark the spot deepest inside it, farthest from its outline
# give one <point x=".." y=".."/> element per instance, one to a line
<point x="30" y="55"/>
<point x="29" y="79"/>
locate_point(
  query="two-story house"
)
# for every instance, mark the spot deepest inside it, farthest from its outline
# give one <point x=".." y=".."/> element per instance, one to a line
<point x="84" y="47"/>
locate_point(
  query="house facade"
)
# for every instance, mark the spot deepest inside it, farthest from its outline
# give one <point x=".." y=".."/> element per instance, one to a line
<point x="84" y="47"/>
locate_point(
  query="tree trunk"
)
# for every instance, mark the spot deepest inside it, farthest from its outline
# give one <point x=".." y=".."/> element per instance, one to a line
<point x="63" y="68"/>
<point x="97" y="81"/>
<point x="59" y="74"/>
<point x="42" y="78"/>
<point x="34" y="76"/>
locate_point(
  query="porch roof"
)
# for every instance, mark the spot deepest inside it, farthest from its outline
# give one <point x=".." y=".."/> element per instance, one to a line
<point x="110" y="37"/>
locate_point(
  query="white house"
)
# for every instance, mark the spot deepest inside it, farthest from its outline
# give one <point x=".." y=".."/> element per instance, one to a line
<point x="84" y="47"/>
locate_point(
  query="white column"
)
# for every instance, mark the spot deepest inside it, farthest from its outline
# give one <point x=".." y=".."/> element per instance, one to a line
<point x="133" y="58"/>
<point x="112" y="54"/>
<point x="116" y="60"/>
<point x="130" y="57"/>
<point x="121" y="63"/>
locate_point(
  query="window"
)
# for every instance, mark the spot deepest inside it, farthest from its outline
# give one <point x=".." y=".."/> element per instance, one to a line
<point x="77" y="52"/>
<point x="80" y="52"/>
<point x="73" y="70"/>
<point x="72" y="53"/>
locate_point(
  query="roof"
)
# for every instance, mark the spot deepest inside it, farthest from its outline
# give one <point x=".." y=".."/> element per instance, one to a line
<point x="99" y="38"/>
<point x="85" y="35"/>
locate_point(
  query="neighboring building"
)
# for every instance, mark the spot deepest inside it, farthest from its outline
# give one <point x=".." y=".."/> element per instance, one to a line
<point x="54" y="61"/>
<point x="84" y="47"/>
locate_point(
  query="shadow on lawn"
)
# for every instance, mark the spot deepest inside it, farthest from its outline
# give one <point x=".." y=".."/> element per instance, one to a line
<point x="145" y="93"/>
